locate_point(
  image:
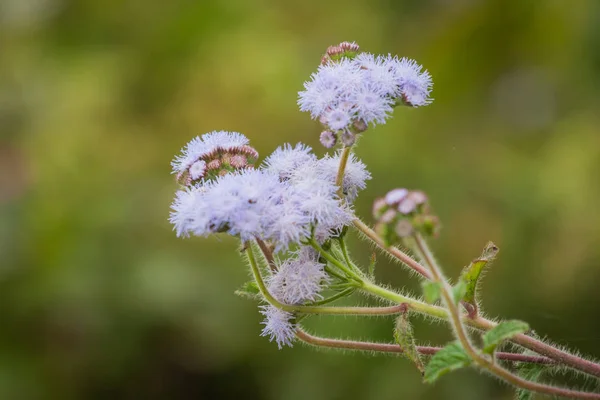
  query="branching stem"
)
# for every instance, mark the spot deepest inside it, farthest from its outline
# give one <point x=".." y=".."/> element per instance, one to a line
<point x="394" y="348"/>
<point x="475" y="355"/>
<point x="526" y="341"/>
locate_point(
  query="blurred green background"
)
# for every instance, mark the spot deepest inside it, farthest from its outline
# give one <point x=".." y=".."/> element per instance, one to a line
<point x="99" y="299"/>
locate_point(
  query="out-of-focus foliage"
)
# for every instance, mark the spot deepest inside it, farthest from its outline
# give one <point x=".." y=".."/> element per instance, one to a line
<point x="98" y="299"/>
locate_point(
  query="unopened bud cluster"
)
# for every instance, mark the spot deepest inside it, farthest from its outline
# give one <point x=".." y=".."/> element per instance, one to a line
<point x="213" y="155"/>
<point x="344" y="49"/>
<point x="403" y="213"/>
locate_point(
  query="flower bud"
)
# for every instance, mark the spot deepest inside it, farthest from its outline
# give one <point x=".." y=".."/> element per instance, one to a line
<point x="347" y="138"/>
<point x="218" y="162"/>
<point x="402" y="213"/>
<point x="359" y="125"/>
<point x="328" y="139"/>
<point x="344" y="49"/>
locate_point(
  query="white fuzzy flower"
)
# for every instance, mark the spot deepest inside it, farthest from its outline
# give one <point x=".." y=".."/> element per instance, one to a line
<point x="183" y="214"/>
<point x="298" y="281"/>
<point x="238" y="203"/>
<point x="329" y="87"/>
<point x="337" y="118"/>
<point x="278" y="326"/>
<point x="282" y="203"/>
<point x="372" y="103"/>
<point x="415" y="84"/>
<point x="285" y="159"/>
<point x="363" y="90"/>
<point x="380" y="72"/>
<point x="355" y="175"/>
<point x="320" y="200"/>
<point x="287" y="223"/>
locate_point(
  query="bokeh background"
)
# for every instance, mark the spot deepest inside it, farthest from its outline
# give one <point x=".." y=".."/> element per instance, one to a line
<point x="99" y="299"/>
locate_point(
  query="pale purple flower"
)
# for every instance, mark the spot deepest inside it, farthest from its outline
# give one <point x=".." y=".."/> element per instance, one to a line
<point x="395" y="196"/>
<point x="238" y="203"/>
<point x="298" y="281"/>
<point x="320" y="200"/>
<point x="337" y="118"/>
<point x="293" y="195"/>
<point x="355" y="175"/>
<point x="372" y="103"/>
<point x="285" y="159"/>
<point x="278" y="326"/>
<point x="329" y="87"/>
<point x="415" y="84"/>
<point x="363" y="90"/>
<point x="380" y="72"/>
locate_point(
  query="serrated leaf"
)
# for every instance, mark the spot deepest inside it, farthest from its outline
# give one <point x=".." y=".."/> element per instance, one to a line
<point x="249" y="290"/>
<point x="431" y="291"/>
<point x="471" y="274"/>
<point x="504" y="330"/>
<point x="531" y="372"/>
<point x="403" y="334"/>
<point x="458" y="291"/>
<point x="450" y="358"/>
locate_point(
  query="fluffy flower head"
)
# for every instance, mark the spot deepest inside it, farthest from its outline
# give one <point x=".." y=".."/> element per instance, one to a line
<point x="278" y="326"/>
<point x="363" y="89"/>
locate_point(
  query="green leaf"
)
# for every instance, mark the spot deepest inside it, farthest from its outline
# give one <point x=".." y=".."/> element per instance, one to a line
<point x="403" y="334"/>
<point x="504" y="330"/>
<point x="450" y="358"/>
<point x="249" y="290"/>
<point x="431" y="291"/>
<point x="531" y="372"/>
<point x="458" y="291"/>
<point x="471" y="274"/>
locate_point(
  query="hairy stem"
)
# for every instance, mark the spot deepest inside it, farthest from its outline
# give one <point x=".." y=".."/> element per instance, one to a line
<point x="394" y="251"/>
<point x="484" y="324"/>
<point x="475" y="355"/>
<point x="394" y="348"/>
<point x="266" y="250"/>
<point x="339" y="179"/>
<point x="345" y="268"/>
<point x="343" y="293"/>
<point x="528" y="342"/>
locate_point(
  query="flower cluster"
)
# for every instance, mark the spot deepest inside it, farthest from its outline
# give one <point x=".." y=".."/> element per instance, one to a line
<point x="292" y="197"/>
<point x="402" y="213"/>
<point x="349" y="91"/>
<point x="298" y="279"/>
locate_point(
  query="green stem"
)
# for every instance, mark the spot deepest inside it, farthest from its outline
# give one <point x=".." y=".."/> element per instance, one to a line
<point x="334" y="274"/>
<point x="346" y="256"/>
<point x="528" y="342"/>
<point x="334" y="260"/>
<point x="343" y="293"/>
<point x="462" y="336"/>
<point x="339" y="179"/>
